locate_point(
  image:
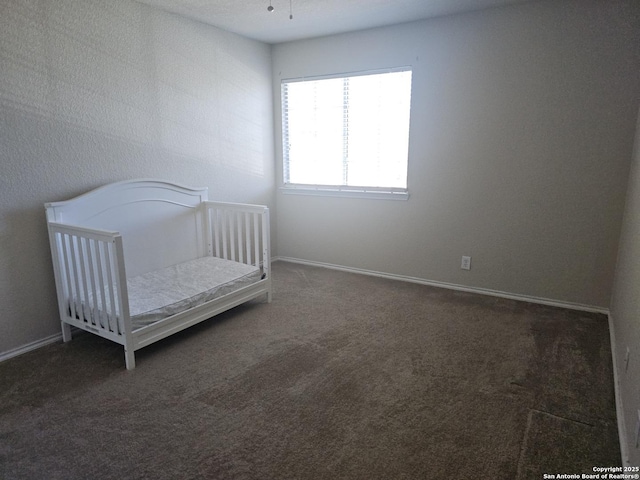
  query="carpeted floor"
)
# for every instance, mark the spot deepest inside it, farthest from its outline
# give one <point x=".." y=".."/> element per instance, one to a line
<point x="343" y="376"/>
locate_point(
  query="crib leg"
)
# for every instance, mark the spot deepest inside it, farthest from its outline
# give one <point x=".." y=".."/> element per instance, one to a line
<point x="130" y="359"/>
<point x="66" y="332"/>
<point x="269" y="296"/>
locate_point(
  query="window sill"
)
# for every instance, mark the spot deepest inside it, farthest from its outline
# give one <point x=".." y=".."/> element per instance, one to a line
<point x="346" y="192"/>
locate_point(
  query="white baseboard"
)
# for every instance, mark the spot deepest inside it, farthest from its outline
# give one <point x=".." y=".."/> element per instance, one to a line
<point x="452" y="286"/>
<point x="14" y="352"/>
<point x="622" y="425"/>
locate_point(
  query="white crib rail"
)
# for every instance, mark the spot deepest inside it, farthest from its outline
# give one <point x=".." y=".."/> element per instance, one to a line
<point x="239" y="232"/>
<point x="90" y="275"/>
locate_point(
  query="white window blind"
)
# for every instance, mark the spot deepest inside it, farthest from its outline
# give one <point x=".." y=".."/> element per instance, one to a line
<point x="347" y="132"/>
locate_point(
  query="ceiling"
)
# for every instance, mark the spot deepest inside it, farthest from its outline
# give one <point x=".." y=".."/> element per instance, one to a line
<point x="314" y="18"/>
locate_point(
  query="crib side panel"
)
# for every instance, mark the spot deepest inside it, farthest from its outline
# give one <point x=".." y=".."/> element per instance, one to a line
<point x="90" y="280"/>
<point x="239" y="232"/>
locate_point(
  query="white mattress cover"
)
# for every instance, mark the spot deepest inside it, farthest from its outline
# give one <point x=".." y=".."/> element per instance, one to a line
<point x="161" y="293"/>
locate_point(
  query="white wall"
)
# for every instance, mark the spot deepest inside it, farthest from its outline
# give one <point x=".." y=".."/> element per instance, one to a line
<point x="521" y="134"/>
<point x="93" y="92"/>
<point x="625" y="309"/>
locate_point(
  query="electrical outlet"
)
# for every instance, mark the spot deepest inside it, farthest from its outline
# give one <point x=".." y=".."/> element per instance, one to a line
<point x="626" y="359"/>
<point x="466" y="263"/>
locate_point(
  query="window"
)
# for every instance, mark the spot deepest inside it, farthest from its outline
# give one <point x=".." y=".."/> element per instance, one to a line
<point x="347" y="134"/>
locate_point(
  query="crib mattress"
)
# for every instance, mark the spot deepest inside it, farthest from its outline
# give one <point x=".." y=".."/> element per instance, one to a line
<point x="161" y="293"/>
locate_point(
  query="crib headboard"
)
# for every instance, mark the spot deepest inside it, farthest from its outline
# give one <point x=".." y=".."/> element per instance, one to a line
<point x="161" y="223"/>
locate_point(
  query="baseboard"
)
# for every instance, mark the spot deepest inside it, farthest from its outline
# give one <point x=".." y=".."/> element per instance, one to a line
<point x="622" y="425"/>
<point x="14" y="352"/>
<point x="452" y="286"/>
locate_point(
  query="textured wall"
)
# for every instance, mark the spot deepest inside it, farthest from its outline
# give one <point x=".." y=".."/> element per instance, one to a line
<point x="93" y="92"/>
<point x="625" y="307"/>
<point x="522" y="129"/>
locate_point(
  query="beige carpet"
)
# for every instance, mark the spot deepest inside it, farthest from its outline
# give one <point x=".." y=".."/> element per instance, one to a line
<point x="343" y="376"/>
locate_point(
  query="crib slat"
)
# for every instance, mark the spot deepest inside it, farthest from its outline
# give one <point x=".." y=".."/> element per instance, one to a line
<point x="256" y="240"/>
<point x="60" y="248"/>
<point x="232" y="235"/>
<point x="84" y="285"/>
<point x="112" y="311"/>
<point x="95" y="313"/>
<point x="106" y="285"/>
<point x="266" y="247"/>
<point x="216" y="230"/>
<point x="76" y="297"/>
<point x="223" y="229"/>
<point x="86" y="279"/>
<point x="239" y="216"/>
<point x="247" y="236"/>
<point x="104" y="317"/>
<point x="66" y="252"/>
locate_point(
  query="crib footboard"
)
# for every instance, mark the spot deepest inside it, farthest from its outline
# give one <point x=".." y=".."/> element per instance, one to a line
<point x="91" y="285"/>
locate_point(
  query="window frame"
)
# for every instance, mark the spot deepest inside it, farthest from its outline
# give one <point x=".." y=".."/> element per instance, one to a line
<point x="387" y="193"/>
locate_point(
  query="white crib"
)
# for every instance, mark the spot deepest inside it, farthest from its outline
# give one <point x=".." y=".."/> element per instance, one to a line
<point x="139" y="260"/>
